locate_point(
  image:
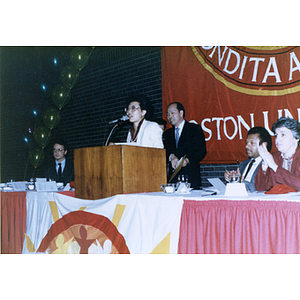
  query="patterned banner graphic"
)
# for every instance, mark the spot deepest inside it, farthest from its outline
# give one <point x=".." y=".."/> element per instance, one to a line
<point x="136" y="224"/>
<point x="228" y="90"/>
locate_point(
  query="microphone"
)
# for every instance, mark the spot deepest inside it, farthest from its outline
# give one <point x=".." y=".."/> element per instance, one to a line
<point x="124" y="118"/>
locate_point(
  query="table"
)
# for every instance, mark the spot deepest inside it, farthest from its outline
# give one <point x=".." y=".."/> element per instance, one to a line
<point x="13" y="220"/>
<point x="258" y="223"/>
<point x="240" y="227"/>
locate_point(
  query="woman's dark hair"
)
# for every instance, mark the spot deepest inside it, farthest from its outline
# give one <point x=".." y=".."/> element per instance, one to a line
<point x="144" y="104"/>
<point x="291" y="124"/>
<point x="264" y="135"/>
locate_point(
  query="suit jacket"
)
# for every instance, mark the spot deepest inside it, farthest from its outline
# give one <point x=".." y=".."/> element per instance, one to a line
<point x="150" y="135"/>
<point x="264" y="181"/>
<point x="68" y="172"/>
<point x="250" y="186"/>
<point x="192" y="144"/>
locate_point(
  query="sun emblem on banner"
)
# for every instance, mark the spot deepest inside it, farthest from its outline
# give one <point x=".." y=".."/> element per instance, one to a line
<point x="81" y="232"/>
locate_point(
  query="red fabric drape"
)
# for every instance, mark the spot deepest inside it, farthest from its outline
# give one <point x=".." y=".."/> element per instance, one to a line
<point x="223" y="226"/>
<point x="13" y="222"/>
<point x="223" y="91"/>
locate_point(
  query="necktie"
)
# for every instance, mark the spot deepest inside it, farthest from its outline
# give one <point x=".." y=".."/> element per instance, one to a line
<point x="59" y="173"/>
<point x="249" y="167"/>
<point x="176" y="136"/>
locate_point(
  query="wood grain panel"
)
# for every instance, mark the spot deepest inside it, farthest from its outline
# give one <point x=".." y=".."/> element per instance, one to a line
<point x="106" y="171"/>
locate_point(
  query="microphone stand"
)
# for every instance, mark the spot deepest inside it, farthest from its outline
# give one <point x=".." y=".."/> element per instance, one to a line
<point x="111" y="133"/>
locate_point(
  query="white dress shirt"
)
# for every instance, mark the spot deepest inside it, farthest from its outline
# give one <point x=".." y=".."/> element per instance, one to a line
<point x="63" y="163"/>
<point x="253" y="168"/>
<point x="181" y="127"/>
<point x="179" y="133"/>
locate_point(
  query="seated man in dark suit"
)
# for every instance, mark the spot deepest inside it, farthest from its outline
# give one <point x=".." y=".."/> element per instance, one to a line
<point x="184" y="139"/>
<point x="248" y="169"/>
<point x="60" y="168"/>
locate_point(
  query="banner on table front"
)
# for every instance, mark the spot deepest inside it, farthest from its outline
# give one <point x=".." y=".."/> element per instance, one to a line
<point x="139" y="223"/>
<point x="228" y="90"/>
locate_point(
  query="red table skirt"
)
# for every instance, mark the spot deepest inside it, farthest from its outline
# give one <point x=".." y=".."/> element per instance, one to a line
<point x="223" y="226"/>
<point x="13" y="221"/>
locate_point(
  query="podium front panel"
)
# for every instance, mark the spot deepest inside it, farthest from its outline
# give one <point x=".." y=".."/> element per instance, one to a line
<point x="102" y="172"/>
<point x="144" y="169"/>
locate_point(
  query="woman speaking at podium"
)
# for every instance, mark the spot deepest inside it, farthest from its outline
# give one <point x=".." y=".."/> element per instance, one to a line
<point x="142" y="132"/>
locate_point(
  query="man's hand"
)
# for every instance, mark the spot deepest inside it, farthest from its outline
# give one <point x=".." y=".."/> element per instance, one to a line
<point x="174" y="161"/>
<point x="228" y="174"/>
<point x="185" y="162"/>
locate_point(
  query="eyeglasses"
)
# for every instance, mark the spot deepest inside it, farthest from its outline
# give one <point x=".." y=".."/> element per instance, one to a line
<point x="58" y="150"/>
<point x="132" y="108"/>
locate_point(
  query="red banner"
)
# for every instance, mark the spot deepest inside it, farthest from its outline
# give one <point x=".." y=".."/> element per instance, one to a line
<point x="228" y="90"/>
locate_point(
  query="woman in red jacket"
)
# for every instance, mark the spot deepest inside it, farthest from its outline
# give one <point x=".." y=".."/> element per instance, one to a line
<point x="282" y="166"/>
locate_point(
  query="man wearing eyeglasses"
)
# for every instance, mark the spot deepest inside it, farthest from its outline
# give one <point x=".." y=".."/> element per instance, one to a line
<point x="61" y="168"/>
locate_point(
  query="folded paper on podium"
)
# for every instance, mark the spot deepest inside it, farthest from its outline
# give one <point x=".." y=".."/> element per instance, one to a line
<point x="102" y="172"/>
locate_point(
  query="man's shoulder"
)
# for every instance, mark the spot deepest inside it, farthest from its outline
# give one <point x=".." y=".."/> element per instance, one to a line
<point x="50" y="161"/>
<point x="245" y="162"/>
<point x="192" y="129"/>
<point x="69" y="160"/>
<point x="168" y="131"/>
<point x="191" y="125"/>
<point x="168" y="136"/>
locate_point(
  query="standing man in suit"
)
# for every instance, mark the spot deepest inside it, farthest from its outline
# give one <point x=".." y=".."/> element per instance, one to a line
<point x="61" y="168"/>
<point x="184" y="139"/>
<point x="248" y="169"/>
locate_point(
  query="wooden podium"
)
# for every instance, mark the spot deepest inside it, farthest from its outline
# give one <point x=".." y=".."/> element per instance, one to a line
<point x="102" y="172"/>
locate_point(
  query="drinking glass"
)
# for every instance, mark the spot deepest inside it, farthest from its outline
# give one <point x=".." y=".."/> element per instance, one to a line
<point x="234" y="177"/>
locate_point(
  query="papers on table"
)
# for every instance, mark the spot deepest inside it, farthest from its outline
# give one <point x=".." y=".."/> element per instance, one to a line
<point x="40" y="179"/>
<point x="231" y="189"/>
<point x="217" y="184"/>
<point x="130" y="144"/>
<point x="40" y="185"/>
<point x="18" y="186"/>
<point x="46" y="186"/>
